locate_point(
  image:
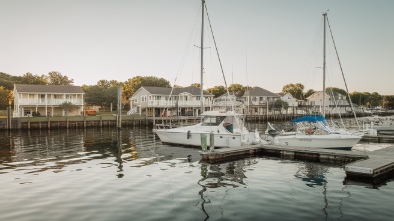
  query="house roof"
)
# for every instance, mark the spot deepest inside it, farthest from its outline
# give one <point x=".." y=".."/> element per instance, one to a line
<point x="258" y="91"/>
<point x="34" y="88"/>
<point x="318" y="94"/>
<point x="167" y="90"/>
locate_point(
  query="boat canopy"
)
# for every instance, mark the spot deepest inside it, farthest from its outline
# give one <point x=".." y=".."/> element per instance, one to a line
<point x="311" y="118"/>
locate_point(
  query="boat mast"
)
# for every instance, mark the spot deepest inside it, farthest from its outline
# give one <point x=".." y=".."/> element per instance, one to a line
<point x="202" y="59"/>
<point x="324" y="65"/>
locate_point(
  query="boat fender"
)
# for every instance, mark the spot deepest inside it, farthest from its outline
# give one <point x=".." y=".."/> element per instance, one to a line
<point x="189" y="134"/>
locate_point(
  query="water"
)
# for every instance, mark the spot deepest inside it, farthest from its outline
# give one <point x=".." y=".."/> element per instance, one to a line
<point x="103" y="174"/>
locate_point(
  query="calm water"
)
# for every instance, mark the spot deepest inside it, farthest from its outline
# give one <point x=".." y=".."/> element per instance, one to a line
<point x="103" y="174"/>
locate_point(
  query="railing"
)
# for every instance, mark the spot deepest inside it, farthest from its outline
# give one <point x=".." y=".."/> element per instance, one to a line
<point x="164" y="103"/>
<point x="39" y="101"/>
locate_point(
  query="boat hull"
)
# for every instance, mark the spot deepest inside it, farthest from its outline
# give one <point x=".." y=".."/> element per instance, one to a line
<point x="328" y="141"/>
<point x="194" y="138"/>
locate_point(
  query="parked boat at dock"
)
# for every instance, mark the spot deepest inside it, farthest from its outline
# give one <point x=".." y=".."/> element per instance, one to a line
<point x="222" y="129"/>
<point x="227" y="130"/>
<point x="313" y="131"/>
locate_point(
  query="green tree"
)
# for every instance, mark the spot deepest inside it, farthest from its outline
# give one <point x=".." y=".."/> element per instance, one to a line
<point x="309" y="93"/>
<point x="197" y="85"/>
<point x="56" y="78"/>
<point x="237" y="89"/>
<point x="8" y="81"/>
<point x="389" y="102"/>
<point x="29" y="78"/>
<point x="5" y="97"/>
<point x="66" y="107"/>
<point x="296" y="90"/>
<point x="96" y="95"/>
<point x="133" y="84"/>
<point x="217" y="91"/>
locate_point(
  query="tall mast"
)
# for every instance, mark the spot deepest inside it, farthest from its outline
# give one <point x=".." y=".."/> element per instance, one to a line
<point x="324" y="65"/>
<point x="202" y="58"/>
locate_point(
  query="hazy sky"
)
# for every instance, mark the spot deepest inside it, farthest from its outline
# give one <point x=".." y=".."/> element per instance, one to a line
<point x="265" y="43"/>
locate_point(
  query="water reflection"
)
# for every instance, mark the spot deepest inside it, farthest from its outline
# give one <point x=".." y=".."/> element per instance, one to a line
<point x="53" y="150"/>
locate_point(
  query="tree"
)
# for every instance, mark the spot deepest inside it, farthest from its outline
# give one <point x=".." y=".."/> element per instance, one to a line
<point x="296" y="90"/>
<point x="133" y="84"/>
<point x="5" y="97"/>
<point x="237" y="89"/>
<point x="309" y="93"/>
<point x="29" y="78"/>
<point x="8" y="81"/>
<point x="389" y="102"/>
<point x="217" y="91"/>
<point x="66" y="107"/>
<point x="197" y="85"/>
<point x="56" y="78"/>
<point x="100" y="96"/>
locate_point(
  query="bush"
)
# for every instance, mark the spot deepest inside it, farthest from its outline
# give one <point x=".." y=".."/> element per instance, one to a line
<point x="36" y="114"/>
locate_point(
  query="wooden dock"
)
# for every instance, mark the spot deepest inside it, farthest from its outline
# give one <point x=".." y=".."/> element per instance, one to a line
<point x="364" y="166"/>
<point x="320" y="155"/>
<point x="378" y="164"/>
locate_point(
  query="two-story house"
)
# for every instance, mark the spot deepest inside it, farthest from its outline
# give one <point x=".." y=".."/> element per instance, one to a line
<point x="291" y="101"/>
<point x="47" y="100"/>
<point x="227" y="103"/>
<point x="162" y="101"/>
<point x="334" y="103"/>
<point x="257" y="100"/>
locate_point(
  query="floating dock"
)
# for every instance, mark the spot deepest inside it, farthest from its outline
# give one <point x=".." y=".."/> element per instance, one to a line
<point x="320" y="155"/>
<point x="379" y="163"/>
<point x="366" y="166"/>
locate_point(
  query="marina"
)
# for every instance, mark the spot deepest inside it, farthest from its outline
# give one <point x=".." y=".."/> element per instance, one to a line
<point x="117" y="174"/>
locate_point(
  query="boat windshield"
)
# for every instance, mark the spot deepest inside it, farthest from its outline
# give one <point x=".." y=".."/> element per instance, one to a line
<point x="212" y="120"/>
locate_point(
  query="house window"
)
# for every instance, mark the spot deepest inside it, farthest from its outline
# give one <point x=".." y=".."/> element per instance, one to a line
<point x="27" y="112"/>
<point x="198" y="98"/>
<point x="158" y="98"/>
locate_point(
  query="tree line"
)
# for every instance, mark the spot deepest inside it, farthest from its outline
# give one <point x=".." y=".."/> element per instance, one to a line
<point x="104" y="92"/>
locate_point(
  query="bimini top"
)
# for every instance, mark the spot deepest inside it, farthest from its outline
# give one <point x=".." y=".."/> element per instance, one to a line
<point x="311" y="118"/>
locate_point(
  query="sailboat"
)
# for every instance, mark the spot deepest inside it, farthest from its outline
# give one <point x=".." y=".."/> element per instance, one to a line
<point x="221" y="129"/>
<point x="313" y="131"/>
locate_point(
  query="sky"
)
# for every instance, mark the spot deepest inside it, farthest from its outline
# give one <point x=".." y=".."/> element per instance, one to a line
<point x="264" y="43"/>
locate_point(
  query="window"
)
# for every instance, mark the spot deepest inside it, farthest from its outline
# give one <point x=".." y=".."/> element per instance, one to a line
<point x="27" y="112"/>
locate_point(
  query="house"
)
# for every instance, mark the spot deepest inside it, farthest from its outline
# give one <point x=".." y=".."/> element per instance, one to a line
<point x="163" y="101"/>
<point x="291" y="101"/>
<point x="258" y="99"/>
<point x="334" y="103"/>
<point x="47" y="100"/>
<point x="227" y="103"/>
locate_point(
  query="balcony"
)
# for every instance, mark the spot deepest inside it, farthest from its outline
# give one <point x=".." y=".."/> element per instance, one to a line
<point x="43" y="102"/>
<point x="164" y="103"/>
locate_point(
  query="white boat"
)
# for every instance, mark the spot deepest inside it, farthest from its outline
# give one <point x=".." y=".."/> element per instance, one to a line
<point x="314" y="132"/>
<point x="227" y="128"/>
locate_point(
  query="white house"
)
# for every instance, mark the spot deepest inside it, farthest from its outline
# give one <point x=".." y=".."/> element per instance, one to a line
<point x="333" y="104"/>
<point x="257" y="100"/>
<point x="291" y="101"/>
<point x="47" y="100"/>
<point x="156" y="101"/>
<point x="227" y="103"/>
